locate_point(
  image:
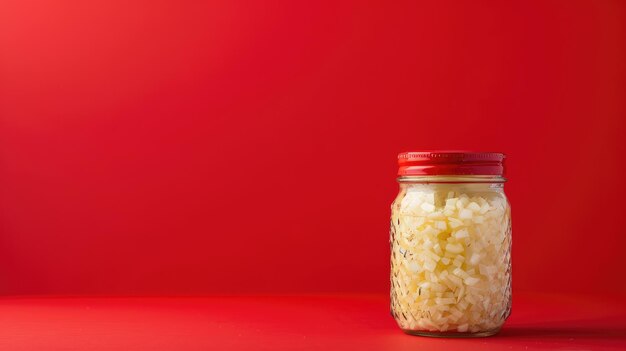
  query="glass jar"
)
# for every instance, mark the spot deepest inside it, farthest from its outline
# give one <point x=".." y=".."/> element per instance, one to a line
<point x="450" y="244"/>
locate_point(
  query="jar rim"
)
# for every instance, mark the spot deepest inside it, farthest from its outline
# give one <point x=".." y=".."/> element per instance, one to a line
<point x="450" y="163"/>
<point x="451" y="179"/>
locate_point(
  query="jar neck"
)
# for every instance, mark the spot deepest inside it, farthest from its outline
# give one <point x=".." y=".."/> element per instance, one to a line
<point x="452" y="179"/>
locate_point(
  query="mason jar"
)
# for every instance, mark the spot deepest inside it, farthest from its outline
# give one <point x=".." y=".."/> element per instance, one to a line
<point x="451" y="244"/>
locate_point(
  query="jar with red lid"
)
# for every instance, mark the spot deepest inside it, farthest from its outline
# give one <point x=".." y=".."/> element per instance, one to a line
<point x="451" y="244"/>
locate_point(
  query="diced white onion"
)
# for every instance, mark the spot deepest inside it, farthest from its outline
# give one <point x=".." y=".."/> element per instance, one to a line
<point x="450" y="263"/>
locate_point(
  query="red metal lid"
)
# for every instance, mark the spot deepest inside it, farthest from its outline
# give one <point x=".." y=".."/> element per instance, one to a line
<point x="446" y="162"/>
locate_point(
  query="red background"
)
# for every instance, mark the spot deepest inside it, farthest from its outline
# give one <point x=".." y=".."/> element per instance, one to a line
<point x="188" y="147"/>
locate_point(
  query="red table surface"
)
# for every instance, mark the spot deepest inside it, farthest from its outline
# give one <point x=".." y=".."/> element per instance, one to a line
<point x="329" y="322"/>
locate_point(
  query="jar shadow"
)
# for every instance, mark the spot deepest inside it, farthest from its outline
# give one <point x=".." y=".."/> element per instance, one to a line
<point x="600" y="329"/>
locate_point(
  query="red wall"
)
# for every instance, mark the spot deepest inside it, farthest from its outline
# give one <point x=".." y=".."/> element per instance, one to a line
<point x="189" y="147"/>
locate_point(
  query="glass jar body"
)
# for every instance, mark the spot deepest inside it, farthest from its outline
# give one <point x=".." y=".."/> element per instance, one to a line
<point x="450" y="256"/>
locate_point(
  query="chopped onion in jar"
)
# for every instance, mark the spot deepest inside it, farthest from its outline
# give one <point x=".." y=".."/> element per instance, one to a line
<point x="454" y="274"/>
